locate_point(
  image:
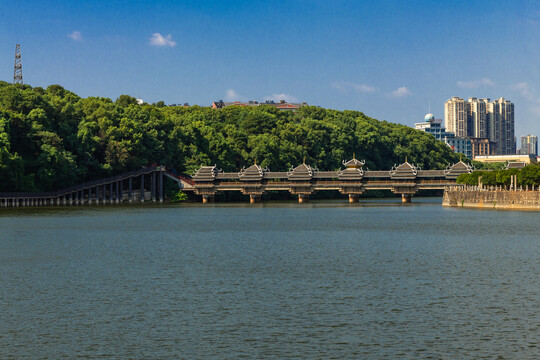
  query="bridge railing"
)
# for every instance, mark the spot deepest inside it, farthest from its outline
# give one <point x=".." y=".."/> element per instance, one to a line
<point x="85" y="185"/>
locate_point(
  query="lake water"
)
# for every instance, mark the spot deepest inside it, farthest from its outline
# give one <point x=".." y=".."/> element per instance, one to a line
<point x="328" y="279"/>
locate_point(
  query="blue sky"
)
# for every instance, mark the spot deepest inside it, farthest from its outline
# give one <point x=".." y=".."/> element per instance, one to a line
<point x="390" y="59"/>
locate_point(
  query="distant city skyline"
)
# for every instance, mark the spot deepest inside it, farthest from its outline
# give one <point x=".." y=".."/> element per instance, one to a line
<point x="391" y="60"/>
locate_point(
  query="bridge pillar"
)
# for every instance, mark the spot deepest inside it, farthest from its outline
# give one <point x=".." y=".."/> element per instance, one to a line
<point x="117" y="195"/>
<point x="354" y="198"/>
<point x="121" y="193"/>
<point x="111" y="193"/>
<point x="89" y="196"/>
<point x="207" y="199"/>
<point x="406" y="198"/>
<point x="160" y="186"/>
<point x="303" y="198"/>
<point x="153" y="186"/>
<point x="255" y="199"/>
<point x="130" y="190"/>
<point x="142" y="187"/>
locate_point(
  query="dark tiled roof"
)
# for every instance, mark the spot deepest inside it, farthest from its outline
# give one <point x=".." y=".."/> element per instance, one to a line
<point x="301" y="172"/>
<point x="404" y="171"/>
<point x="252" y="173"/>
<point x="206" y="173"/>
<point x="452" y="172"/>
<point x="516" y="165"/>
<point x="351" y="174"/>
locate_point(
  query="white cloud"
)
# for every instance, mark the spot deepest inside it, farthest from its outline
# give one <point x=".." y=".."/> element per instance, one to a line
<point x="159" y="40"/>
<point x="524" y="90"/>
<point x="277" y="97"/>
<point x="401" y="92"/>
<point x="232" y="95"/>
<point x="75" y="35"/>
<point x="345" y="86"/>
<point x="476" y="83"/>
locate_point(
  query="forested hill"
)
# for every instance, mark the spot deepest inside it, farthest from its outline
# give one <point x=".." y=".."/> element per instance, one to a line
<point x="52" y="138"/>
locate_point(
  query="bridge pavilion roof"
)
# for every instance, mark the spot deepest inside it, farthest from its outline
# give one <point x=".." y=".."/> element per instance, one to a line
<point x="206" y="173"/>
<point x="252" y="173"/>
<point x="354" y="170"/>
<point x="301" y="172"/>
<point x="404" y="171"/>
<point x="354" y="163"/>
<point x="515" y="165"/>
<point x="452" y="172"/>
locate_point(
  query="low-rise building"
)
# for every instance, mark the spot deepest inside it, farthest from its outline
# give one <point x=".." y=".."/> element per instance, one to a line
<point x="528" y="159"/>
<point x="483" y="146"/>
<point x="434" y="127"/>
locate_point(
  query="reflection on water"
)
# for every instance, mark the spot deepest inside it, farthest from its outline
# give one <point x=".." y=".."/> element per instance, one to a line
<point x="327" y="279"/>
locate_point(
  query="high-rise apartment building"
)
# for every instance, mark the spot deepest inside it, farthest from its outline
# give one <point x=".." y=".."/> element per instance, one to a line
<point x="482" y="119"/>
<point x="506" y="143"/>
<point x="455" y="115"/>
<point x="529" y="145"/>
<point x="477" y="117"/>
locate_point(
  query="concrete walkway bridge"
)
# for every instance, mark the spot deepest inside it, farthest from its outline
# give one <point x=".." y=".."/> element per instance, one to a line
<point x="140" y="185"/>
<point x="147" y="184"/>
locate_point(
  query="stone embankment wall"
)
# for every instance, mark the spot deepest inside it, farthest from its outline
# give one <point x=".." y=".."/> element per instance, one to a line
<point x="492" y="198"/>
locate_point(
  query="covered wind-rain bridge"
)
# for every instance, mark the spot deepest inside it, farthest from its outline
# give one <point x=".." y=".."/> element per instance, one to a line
<point x="304" y="180"/>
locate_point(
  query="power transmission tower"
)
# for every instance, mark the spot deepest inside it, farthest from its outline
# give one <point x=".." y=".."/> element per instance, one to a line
<point x="17" y="73"/>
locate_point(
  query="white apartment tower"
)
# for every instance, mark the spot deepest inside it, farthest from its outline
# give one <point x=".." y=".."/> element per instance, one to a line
<point x="455" y="115"/>
<point x="480" y="118"/>
<point x="507" y="142"/>
<point x="477" y="114"/>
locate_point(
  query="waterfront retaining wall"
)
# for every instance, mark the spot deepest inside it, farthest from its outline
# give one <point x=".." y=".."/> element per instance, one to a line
<point x="492" y="199"/>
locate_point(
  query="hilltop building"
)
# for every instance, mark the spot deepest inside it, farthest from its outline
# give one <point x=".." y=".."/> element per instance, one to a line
<point x="281" y="105"/>
<point x="483" y="119"/>
<point x="529" y="145"/>
<point x="434" y="127"/>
